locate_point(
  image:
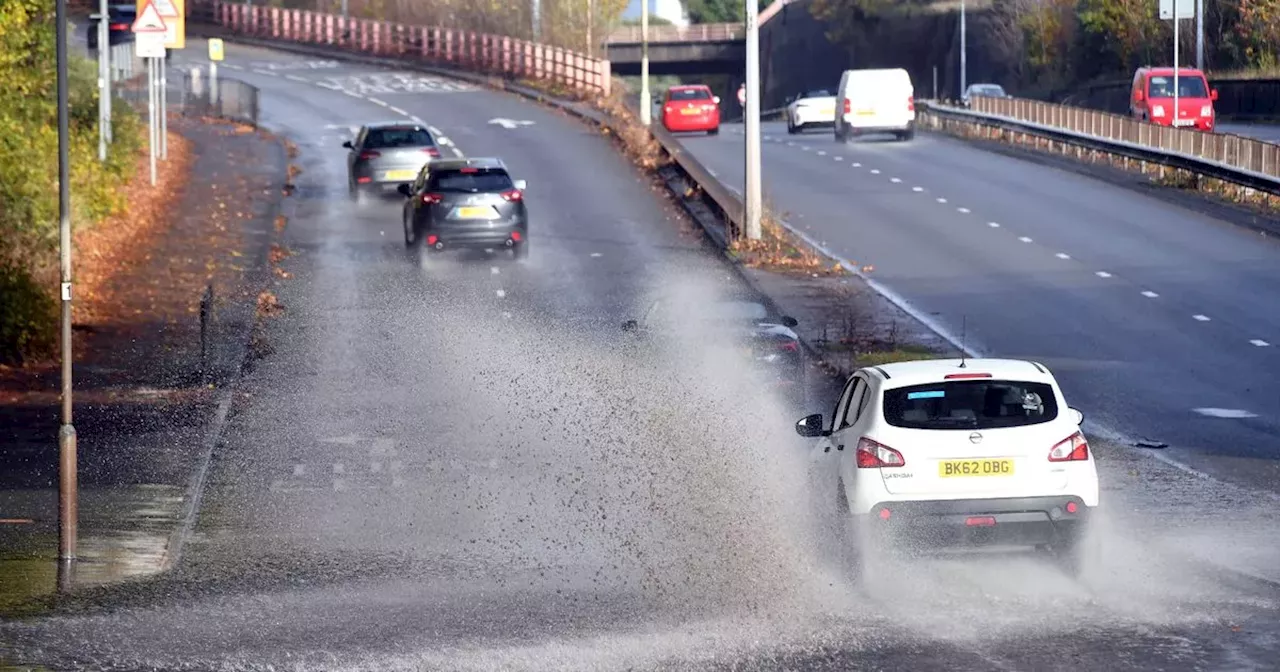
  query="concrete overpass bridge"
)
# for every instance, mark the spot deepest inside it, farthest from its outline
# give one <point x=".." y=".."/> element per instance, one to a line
<point x="700" y="49"/>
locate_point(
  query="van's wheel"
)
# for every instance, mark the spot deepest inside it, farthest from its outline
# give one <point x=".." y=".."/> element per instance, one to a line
<point x="907" y="135"/>
<point x="714" y="131"/>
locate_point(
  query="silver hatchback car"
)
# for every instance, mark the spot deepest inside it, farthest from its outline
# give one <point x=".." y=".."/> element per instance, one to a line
<point x="385" y="155"/>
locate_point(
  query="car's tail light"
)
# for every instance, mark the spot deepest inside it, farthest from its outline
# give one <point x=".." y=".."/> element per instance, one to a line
<point x="469" y="171"/>
<point x="435" y="153"/>
<point x="980" y="521"/>
<point x="1074" y="448"/>
<point x="119" y="26"/>
<point x="369" y="154"/>
<point x="364" y="180"/>
<point x="708" y="107"/>
<point x="515" y="235"/>
<point x="513" y="195"/>
<point x="911" y="103"/>
<point x="847" y="106"/>
<point x="873" y="455"/>
<point x="789" y="346"/>
<point x="965" y="376"/>
<point x="433" y="239"/>
<point x="432" y="199"/>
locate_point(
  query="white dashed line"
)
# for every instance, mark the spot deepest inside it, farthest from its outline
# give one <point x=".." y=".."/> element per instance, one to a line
<point x="1200" y="318"/>
<point x="1025" y="239"/>
<point x="295" y="78"/>
<point x="596" y="254"/>
<point x="1103" y="274"/>
<point x="839" y="158"/>
<point x="495" y="270"/>
<point x="338" y="468"/>
<point x="1062" y="255"/>
<point x="458" y="153"/>
<point x="963" y="211"/>
<point x="501" y="293"/>
<point x="875" y="172"/>
<point x="917" y="189"/>
<point x="1150" y="294"/>
<point x="328" y="85"/>
<point x="942" y="200"/>
<point x="805" y="148"/>
<point x="233" y="67"/>
<point x="1225" y="413"/>
<point x="855" y="164"/>
<point x="1260" y="343"/>
<point x="791" y="144"/>
<point x="895" y="180"/>
<point x="353" y="94"/>
<point x="820" y="153"/>
<point x="398" y="110"/>
<point x="265" y="72"/>
<point x="994" y="225"/>
<point x="376" y="101"/>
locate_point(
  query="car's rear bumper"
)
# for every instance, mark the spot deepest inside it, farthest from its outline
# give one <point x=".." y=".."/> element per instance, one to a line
<point x="679" y="124"/>
<point x="1017" y="521"/>
<point x="501" y="234"/>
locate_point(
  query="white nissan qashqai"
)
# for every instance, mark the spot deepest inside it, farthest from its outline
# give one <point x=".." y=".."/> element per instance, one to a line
<point x="948" y="453"/>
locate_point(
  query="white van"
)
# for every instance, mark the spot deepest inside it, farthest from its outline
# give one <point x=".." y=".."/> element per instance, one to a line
<point x="875" y="101"/>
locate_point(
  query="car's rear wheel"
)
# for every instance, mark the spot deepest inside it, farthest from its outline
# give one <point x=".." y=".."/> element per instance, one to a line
<point x="1078" y="553"/>
<point x="714" y="131"/>
<point x="408" y="233"/>
<point x="520" y="250"/>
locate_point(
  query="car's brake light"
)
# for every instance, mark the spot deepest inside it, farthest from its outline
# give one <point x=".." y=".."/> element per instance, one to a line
<point x="911" y="103"/>
<point x="669" y="108"/>
<point x="432" y="199"/>
<point x="965" y="376"/>
<point x="847" y="106"/>
<point x="873" y="455"/>
<point x="513" y="195"/>
<point x="789" y="346"/>
<point x="119" y="26"/>
<point x="370" y="154"/>
<point x="1074" y="448"/>
<point x="470" y="171"/>
<point x="435" y="153"/>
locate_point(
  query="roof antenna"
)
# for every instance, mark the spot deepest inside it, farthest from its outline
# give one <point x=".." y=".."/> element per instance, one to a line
<point x="963" y="324"/>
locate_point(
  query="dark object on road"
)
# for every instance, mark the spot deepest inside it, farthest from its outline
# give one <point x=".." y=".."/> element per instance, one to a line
<point x="768" y="342"/>
<point x="466" y="203"/>
<point x="385" y="155"/>
<point x="120" y="20"/>
<point x="1146" y="443"/>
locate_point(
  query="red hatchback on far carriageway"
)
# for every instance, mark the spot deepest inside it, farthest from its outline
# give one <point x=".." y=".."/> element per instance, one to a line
<point x="691" y="108"/>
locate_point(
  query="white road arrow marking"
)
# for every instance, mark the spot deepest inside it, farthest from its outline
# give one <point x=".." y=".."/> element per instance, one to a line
<point x="509" y="123"/>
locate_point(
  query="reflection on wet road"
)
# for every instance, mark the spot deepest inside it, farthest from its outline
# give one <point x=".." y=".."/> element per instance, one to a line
<point x="460" y="465"/>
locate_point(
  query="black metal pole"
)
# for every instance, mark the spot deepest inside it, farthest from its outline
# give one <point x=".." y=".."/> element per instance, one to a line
<point x="67" y="481"/>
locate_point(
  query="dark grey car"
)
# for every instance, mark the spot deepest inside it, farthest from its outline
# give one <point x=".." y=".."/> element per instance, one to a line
<point x="466" y="203"/>
<point x="386" y="155"/>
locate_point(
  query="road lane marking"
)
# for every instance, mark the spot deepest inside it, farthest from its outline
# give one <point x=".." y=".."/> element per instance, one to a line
<point x="458" y="153"/>
<point x="895" y="180"/>
<point x="398" y="110"/>
<point x="295" y="78"/>
<point x="822" y="153"/>
<point x="1234" y="413"/>
<point x="875" y="171"/>
<point x="501" y="293"/>
<point x="839" y="158"/>
<point x="596" y="254"/>
<point x="1062" y="255"/>
<point x="495" y="270"/>
<point x="942" y="200"/>
<point x="1200" y="318"/>
<point x="1025" y="239"/>
<point x="1103" y="274"/>
<point x="1260" y="343"/>
<point x="377" y="101"/>
<point x="328" y="85"/>
<point x="353" y="94"/>
<point x="994" y="225"/>
<point x="791" y="144"/>
<point x="917" y="189"/>
<point x="855" y="164"/>
<point x="265" y="72"/>
<point x="299" y="469"/>
<point x="1150" y="294"/>
<point x="233" y="67"/>
<point x="963" y="211"/>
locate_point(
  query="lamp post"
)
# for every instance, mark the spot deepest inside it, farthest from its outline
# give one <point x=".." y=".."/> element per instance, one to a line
<point x="646" y="98"/>
<point x="67" y="476"/>
<point x="753" y="203"/>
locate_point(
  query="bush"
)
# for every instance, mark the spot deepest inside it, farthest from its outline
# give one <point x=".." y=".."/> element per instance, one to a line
<point x="29" y="172"/>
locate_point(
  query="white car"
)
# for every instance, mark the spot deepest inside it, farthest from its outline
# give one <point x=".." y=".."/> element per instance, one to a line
<point x="815" y="108"/>
<point x="957" y="453"/>
<point x="982" y="91"/>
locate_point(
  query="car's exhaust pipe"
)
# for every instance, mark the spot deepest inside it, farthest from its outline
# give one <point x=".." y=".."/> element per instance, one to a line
<point x="510" y="242"/>
<point x="439" y="246"/>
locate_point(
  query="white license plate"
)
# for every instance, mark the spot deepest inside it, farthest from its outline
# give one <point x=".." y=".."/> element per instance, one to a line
<point x="1184" y="122"/>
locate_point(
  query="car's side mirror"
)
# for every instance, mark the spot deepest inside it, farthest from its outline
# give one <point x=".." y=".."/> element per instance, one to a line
<point x="348" y="145"/>
<point x="522" y="185"/>
<point x="1079" y="415"/>
<point x="716" y="98"/>
<point x="405" y="189"/>
<point x="1213" y="94"/>
<point x="630" y="325"/>
<point x="788" y="321"/>
<point x="810" y="426"/>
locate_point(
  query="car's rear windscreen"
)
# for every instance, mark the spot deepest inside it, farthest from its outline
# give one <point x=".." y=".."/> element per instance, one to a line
<point x="390" y="138"/>
<point x="690" y="94"/>
<point x="471" y="180"/>
<point x="970" y="404"/>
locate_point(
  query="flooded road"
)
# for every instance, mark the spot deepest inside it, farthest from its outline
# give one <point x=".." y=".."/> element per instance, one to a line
<point x="462" y="466"/>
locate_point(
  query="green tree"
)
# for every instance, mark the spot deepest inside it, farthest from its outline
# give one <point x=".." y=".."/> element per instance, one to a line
<point x="720" y="11"/>
<point x="1130" y="30"/>
<point x="1258" y="31"/>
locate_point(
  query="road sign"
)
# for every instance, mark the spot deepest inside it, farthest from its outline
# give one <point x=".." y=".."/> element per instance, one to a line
<point x="742" y="94"/>
<point x="174" y="13"/>
<point x="215" y="49"/>
<point x="1186" y="9"/>
<point x="149" y="45"/>
<point x="149" y="20"/>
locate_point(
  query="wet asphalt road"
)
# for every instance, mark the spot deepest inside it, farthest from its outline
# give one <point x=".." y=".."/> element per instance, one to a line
<point x="1146" y="309"/>
<point x="459" y="466"/>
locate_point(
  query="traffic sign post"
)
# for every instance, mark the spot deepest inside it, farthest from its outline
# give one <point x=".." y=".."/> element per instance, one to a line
<point x="149" y="31"/>
<point x="1176" y="11"/>
<point x="216" y="54"/>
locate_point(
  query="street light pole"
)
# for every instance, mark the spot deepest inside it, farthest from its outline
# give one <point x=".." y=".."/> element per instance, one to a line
<point x="104" y="78"/>
<point x="67" y="482"/>
<point x="646" y="98"/>
<point x="964" y="52"/>
<point x="1200" y="35"/>
<point x="754" y="202"/>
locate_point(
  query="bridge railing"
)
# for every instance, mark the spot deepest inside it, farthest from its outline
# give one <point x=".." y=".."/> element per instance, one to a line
<point x="701" y="32"/>
<point x="497" y="55"/>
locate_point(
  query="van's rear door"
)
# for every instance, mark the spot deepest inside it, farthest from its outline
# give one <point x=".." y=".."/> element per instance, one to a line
<point x="879" y="99"/>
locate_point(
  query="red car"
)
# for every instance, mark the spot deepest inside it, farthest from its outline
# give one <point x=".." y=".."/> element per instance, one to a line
<point x="1152" y="98"/>
<point x="691" y="108"/>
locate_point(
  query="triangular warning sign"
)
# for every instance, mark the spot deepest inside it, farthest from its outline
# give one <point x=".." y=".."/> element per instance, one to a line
<point x="166" y="8"/>
<point x="149" y="20"/>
